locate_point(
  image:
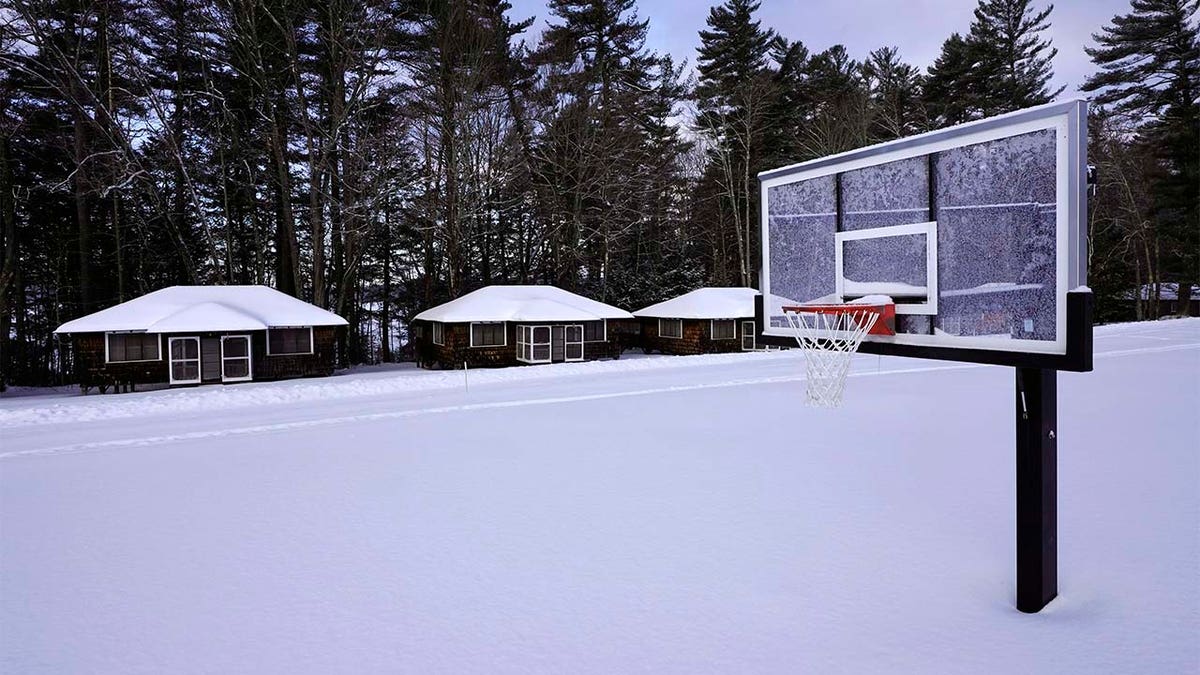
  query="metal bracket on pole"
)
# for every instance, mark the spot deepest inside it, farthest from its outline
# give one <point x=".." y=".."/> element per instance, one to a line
<point x="1037" y="488"/>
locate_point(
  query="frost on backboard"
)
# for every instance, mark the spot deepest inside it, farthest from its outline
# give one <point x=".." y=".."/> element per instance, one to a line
<point x="993" y="208"/>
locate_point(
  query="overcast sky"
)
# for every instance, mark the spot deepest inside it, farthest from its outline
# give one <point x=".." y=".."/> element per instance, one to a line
<point x="917" y="27"/>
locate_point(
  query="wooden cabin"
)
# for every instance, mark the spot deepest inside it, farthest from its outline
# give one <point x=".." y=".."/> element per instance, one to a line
<point x="1169" y="303"/>
<point x="189" y="335"/>
<point x="704" y="321"/>
<point x="517" y="325"/>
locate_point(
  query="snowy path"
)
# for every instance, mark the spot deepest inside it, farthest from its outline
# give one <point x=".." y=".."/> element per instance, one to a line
<point x="691" y="517"/>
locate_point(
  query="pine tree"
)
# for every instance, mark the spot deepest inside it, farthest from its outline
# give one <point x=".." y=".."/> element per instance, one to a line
<point x="1003" y="64"/>
<point x="792" y="104"/>
<point x="180" y="44"/>
<point x="598" y="71"/>
<point x="733" y="52"/>
<point x="841" y="108"/>
<point x="951" y="93"/>
<point x="1149" y="64"/>
<point x="1014" y="61"/>
<point x="895" y="92"/>
<point x="653" y="262"/>
<point x="735" y="98"/>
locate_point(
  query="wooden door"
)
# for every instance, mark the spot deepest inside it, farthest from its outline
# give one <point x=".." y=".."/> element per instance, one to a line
<point x="557" y="344"/>
<point x="210" y="359"/>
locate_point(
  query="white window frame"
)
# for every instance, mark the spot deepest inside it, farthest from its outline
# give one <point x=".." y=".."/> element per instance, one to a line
<point x="249" y="357"/>
<point x="752" y="334"/>
<point x="581" y="342"/>
<point x="107" y="360"/>
<point x="503" y="332"/>
<point x="171" y="361"/>
<point x="670" y="337"/>
<point x="712" y="333"/>
<point x="437" y="333"/>
<point x="525" y="337"/>
<point x="903" y="306"/>
<point x="311" y="345"/>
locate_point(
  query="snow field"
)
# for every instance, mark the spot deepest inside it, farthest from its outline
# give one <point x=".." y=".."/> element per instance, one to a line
<point x="692" y="518"/>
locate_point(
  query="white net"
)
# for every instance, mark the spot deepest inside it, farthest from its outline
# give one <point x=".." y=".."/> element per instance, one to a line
<point x="829" y="341"/>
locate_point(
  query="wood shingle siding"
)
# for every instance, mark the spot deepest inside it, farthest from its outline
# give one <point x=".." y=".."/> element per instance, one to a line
<point x="456" y="348"/>
<point x="93" y="372"/>
<point x="696" y="339"/>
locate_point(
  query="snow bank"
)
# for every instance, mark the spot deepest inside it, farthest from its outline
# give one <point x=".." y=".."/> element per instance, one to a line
<point x="14" y="413"/>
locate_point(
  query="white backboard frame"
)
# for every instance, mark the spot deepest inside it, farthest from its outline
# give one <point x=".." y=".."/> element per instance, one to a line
<point x="1067" y="119"/>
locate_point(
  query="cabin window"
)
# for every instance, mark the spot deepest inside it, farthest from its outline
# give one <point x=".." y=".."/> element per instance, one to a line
<point x="670" y="328"/>
<point x="438" y="330"/>
<point x="126" y="347"/>
<point x="418" y="331"/>
<point x="724" y="329"/>
<point x="595" y="331"/>
<point x="289" y="341"/>
<point x="488" y="334"/>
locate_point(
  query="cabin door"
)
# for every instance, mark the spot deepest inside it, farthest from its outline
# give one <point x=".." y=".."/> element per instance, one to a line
<point x="573" y="344"/>
<point x="557" y="343"/>
<point x="184" y="364"/>
<point x="235" y="358"/>
<point x="748" y="333"/>
<point x="210" y="359"/>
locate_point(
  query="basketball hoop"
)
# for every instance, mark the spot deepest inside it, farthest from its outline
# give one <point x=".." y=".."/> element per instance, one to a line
<point x="829" y="335"/>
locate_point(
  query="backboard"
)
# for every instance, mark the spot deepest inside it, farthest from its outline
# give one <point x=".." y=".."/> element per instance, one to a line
<point x="978" y="233"/>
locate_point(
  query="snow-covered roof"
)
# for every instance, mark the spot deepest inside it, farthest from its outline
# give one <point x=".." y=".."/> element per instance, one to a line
<point x="181" y="309"/>
<point x="522" y="303"/>
<point x="704" y="303"/>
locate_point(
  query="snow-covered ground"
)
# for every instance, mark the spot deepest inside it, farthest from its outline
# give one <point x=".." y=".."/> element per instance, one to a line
<point x="681" y="514"/>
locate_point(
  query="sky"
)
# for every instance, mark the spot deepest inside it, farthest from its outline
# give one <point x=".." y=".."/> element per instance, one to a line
<point x="916" y="27"/>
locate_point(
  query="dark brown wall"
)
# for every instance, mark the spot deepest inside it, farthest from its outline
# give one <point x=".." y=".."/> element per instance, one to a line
<point x="92" y="371"/>
<point x="280" y="367"/>
<point x="457" y="348"/>
<point x="697" y="338"/>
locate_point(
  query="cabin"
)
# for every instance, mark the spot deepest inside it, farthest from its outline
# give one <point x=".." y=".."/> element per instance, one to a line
<point x="516" y="325"/>
<point x="704" y="321"/>
<point x="189" y="335"/>
<point x="1168" y="301"/>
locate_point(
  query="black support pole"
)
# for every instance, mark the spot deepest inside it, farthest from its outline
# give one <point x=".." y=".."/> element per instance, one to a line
<point x="1037" y="488"/>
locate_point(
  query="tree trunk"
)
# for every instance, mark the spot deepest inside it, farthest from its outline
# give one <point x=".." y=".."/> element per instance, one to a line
<point x="287" y="249"/>
<point x="1141" y="293"/>
<point x="385" y="303"/>
<point x="8" y="258"/>
<point x="1184" y="302"/>
<point x="82" y="216"/>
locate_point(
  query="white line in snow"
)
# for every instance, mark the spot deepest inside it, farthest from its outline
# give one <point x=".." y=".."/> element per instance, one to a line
<point x="328" y="421"/>
<point x="1146" y="350"/>
<point x="1134" y="335"/>
<point x="370" y="417"/>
